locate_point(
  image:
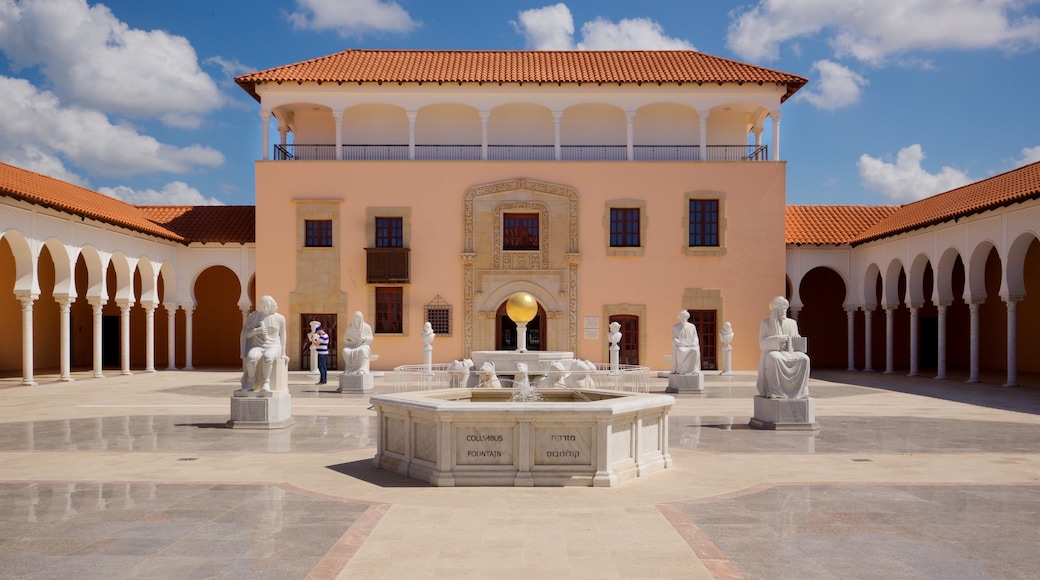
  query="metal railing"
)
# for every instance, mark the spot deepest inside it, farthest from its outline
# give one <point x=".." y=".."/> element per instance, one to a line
<point x="632" y="378"/>
<point x="303" y="152"/>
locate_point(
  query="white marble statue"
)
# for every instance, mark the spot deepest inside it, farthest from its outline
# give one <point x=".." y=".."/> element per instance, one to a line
<point x="427" y="336"/>
<point x="262" y="342"/>
<point x="555" y="376"/>
<point x="356" y="350"/>
<point x="488" y="376"/>
<point x="614" y="337"/>
<point x="726" y="337"/>
<point x="783" y="371"/>
<point x="686" y="348"/>
<point x="458" y="372"/>
<point x="522" y="379"/>
<point x="311" y="340"/>
<point x="580" y="376"/>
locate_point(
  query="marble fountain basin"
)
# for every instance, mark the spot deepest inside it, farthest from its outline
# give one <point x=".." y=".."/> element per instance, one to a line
<point x="477" y="437"/>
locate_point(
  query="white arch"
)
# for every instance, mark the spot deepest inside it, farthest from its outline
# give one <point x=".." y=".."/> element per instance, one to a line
<point x="64" y="268"/>
<point x="975" y="271"/>
<point x="890" y="283"/>
<point x="1014" y="284"/>
<point x="25" y="281"/>
<point x="124" y="289"/>
<point x="943" y="276"/>
<point x="870" y="286"/>
<point x="915" y="280"/>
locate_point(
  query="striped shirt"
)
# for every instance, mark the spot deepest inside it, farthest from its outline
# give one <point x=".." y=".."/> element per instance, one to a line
<point x="322" y="343"/>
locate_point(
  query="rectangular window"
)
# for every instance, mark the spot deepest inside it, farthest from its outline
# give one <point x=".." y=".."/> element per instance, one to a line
<point x="389" y="232"/>
<point x="389" y="310"/>
<point x="624" y="227"/>
<point x="317" y="233"/>
<point x="439" y="318"/>
<point x="704" y="222"/>
<point x="520" y="231"/>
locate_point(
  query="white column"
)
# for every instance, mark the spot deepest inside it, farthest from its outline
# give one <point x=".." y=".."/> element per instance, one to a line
<point x="776" y="115"/>
<point x="703" y="116"/>
<point x="758" y="136"/>
<point x="914" y="351"/>
<point x="124" y="336"/>
<point x="265" y="126"/>
<point x="1012" y="340"/>
<point x="96" y="304"/>
<point x="868" y="315"/>
<point x="412" y="116"/>
<point x="171" y="334"/>
<point x="484" y="116"/>
<point x="27" y="337"/>
<point x="850" y="316"/>
<point x="188" y="309"/>
<point x="973" y="309"/>
<point x="889" y="339"/>
<point x="283" y="134"/>
<point x="941" y="363"/>
<point x="338" y="117"/>
<point x="630" y="119"/>
<point x="65" y="337"/>
<point x="149" y="338"/>
<point x="557" y="119"/>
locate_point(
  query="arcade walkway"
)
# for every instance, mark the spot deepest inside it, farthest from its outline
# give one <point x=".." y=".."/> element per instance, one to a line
<point x="135" y="477"/>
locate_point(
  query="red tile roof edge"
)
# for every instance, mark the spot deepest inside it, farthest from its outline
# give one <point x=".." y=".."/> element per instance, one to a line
<point x="828" y="224"/>
<point x="324" y="68"/>
<point x="222" y="224"/>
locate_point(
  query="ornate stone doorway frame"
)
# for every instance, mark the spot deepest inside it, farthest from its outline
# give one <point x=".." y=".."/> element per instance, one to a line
<point x="550" y="274"/>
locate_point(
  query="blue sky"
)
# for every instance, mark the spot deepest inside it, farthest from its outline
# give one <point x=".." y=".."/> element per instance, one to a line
<point x="907" y="98"/>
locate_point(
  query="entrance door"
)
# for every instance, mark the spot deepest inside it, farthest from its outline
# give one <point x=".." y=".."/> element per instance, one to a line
<point x="328" y="322"/>
<point x="704" y="320"/>
<point x="505" y="331"/>
<point x="629" y="344"/>
<point x="110" y="352"/>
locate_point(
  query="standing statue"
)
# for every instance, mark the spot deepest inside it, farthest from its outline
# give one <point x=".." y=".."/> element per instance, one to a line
<point x="614" y="337"/>
<point x="311" y="336"/>
<point x="427" y="338"/>
<point x="686" y="349"/>
<point x="262" y="342"/>
<point x="726" y="337"/>
<point x="356" y="351"/>
<point x="783" y="369"/>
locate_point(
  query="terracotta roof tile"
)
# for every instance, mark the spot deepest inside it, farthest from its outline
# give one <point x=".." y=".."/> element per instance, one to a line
<point x="832" y="224"/>
<point x="225" y="224"/>
<point x="54" y="193"/>
<point x="1001" y="190"/>
<point x="527" y="66"/>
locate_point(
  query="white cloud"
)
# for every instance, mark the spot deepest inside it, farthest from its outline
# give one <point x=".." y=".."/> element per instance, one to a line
<point x="28" y="156"/>
<point x="905" y="180"/>
<point x="838" y="86"/>
<point x="548" y="28"/>
<point x="93" y="59"/>
<point x="873" y="30"/>
<point x="352" y="18"/>
<point x="34" y="120"/>
<point x="628" y="34"/>
<point x="1029" y="155"/>
<point x="552" y="28"/>
<point x="173" y="193"/>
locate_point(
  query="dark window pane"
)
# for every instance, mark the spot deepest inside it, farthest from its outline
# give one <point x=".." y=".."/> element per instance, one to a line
<point x="439" y="318"/>
<point x="389" y="232"/>
<point x="624" y="227"/>
<point x="389" y="310"/>
<point x="317" y="233"/>
<point x="704" y="222"/>
<point x="520" y="231"/>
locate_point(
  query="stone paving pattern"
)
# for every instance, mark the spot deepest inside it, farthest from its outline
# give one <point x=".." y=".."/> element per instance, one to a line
<point x="136" y="477"/>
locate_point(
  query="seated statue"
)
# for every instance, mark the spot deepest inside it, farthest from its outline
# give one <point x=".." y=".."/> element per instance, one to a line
<point x="356" y="350"/>
<point x="262" y="342"/>
<point x="686" y="348"/>
<point x="783" y="371"/>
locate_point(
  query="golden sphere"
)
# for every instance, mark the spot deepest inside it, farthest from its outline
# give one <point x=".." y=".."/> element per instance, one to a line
<point x="521" y="307"/>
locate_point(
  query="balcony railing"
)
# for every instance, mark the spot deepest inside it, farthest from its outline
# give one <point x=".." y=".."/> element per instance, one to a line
<point x="292" y="151"/>
<point x="388" y="265"/>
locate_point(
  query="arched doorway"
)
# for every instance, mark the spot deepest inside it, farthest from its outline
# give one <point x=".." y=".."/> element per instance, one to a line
<point x="629" y="345"/>
<point x="505" y="330"/>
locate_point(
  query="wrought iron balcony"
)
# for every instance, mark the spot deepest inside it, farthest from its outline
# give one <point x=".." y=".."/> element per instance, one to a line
<point x="303" y="152"/>
<point x="388" y="265"/>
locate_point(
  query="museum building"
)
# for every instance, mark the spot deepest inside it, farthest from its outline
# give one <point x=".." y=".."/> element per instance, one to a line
<point x="418" y="186"/>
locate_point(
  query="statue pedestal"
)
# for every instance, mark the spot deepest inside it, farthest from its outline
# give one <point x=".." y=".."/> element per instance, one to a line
<point x="785" y="414"/>
<point x="359" y="383"/>
<point x="261" y="410"/>
<point x="693" y="383"/>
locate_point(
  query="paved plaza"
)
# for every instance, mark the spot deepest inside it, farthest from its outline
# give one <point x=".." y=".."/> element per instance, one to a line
<point x="137" y="477"/>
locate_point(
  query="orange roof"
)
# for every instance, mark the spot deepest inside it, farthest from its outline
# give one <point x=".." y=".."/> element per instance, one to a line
<point x="225" y="224"/>
<point x="521" y="66"/>
<point x="1001" y="190"/>
<point x="832" y="224"/>
<point x="60" y="195"/>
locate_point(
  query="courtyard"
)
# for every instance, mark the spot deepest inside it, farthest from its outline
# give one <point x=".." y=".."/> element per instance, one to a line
<point x="137" y="476"/>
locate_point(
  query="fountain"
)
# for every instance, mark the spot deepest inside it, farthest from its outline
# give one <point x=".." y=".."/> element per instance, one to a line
<point x="507" y="432"/>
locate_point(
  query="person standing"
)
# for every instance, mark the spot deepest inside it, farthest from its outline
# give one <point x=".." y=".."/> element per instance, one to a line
<point x="321" y="345"/>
